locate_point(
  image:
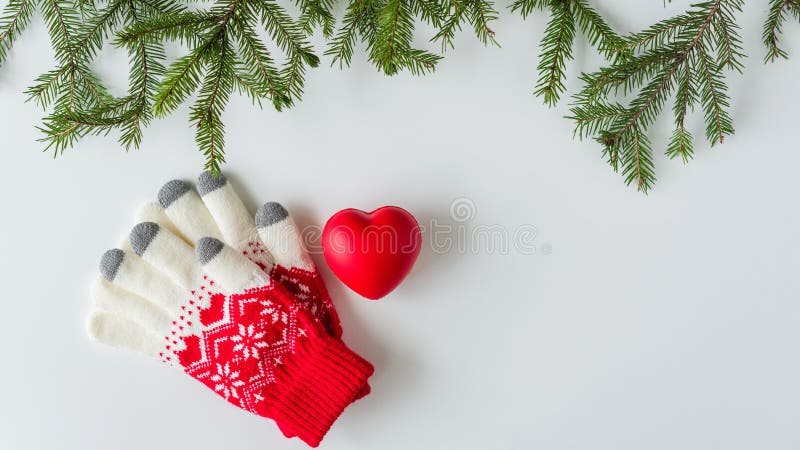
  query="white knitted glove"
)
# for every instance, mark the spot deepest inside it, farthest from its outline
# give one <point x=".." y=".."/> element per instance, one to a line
<point x="274" y="245"/>
<point x="181" y="294"/>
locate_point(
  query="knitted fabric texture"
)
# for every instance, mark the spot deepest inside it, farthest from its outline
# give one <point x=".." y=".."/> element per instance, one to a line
<point x="307" y="287"/>
<point x="264" y="353"/>
<point x="234" y="300"/>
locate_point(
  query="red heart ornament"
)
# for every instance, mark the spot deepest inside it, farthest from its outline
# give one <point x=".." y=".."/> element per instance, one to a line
<point x="371" y="252"/>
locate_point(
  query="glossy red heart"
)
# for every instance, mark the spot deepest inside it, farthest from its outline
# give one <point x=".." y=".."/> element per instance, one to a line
<point x="372" y="252"/>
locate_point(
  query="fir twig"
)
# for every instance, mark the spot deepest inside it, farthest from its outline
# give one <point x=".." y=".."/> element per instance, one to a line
<point x="682" y="58"/>
<point x="558" y="39"/>
<point x="15" y="18"/>
<point x="387" y="27"/>
<point x="131" y="113"/>
<point x="477" y="13"/>
<point x="778" y="12"/>
<point x="685" y="56"/>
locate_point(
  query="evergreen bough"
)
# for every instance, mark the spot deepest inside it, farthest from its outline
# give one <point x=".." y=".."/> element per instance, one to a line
<point x="683" y="59"/>
<point x="685" y="56"/>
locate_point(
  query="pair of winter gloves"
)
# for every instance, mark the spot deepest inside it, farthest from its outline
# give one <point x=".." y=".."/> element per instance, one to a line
<point x="235" y="301"/>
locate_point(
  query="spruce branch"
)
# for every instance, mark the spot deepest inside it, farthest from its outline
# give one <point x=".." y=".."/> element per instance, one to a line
<point x="558" y="40"/>
<point x="387" y="28"/>
<point x="316" y="14"/>
<point x="556" y="49"/>
<point x="130" y="113"/>
<point x="183" y="27"/>
<point x="724" y="34"/>
<point x="181" y="80"/>
<point x="479" y="14"/>
<point x="779" y="10"/>
<point x="226" y="55"/>
<point x="391" y="49"/>
<point x="430" y="11"/>
<point x="292" y="41"/>
<point x="256" y="71"/>
<point x="355" y="24"/>
<point x="71" y="86"/>
<point x="76" y="86"/>
<point x="597" y="31"/>
<point x="713" y="97"/>
<point x="15" y="18"/>
<point x="637" y="160"/>
<point x="96" y="30"/>
<point x="658" y="35"/>
<point x="682" y="57"/>
<point x="206" y="114"/>
<point x="686" y="96"/>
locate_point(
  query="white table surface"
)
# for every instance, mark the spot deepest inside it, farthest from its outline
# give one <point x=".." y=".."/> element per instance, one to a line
<point x="667" y="321"/>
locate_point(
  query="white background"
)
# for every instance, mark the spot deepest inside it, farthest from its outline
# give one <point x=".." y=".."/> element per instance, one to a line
<point x="667" y="321"/>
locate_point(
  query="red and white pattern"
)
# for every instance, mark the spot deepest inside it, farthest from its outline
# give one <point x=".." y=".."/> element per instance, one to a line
<point x="306" y="286"/>
<point x="229" y="321"/>
<point x="235" y="343"/>
<point x="187" y="323"/>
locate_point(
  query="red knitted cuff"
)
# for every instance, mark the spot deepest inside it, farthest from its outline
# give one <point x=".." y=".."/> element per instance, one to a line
<point x="322" y="378"/>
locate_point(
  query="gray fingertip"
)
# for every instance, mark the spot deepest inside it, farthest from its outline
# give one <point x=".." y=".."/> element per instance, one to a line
<point x="110" y="262"/>
<point x="142" y="235"/>
<point x="207" y="249"/>
<point x="270" y="213"/>
<point x="208" y="182"/>
<point x="172" y="191"/>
